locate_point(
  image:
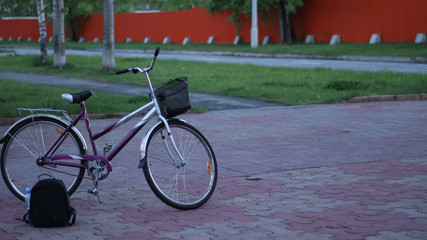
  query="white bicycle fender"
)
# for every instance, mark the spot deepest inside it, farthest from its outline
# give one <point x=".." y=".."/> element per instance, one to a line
<point x="10" y="128"/>
<point x="142" y="153"/>
<point x="79" y="135"/>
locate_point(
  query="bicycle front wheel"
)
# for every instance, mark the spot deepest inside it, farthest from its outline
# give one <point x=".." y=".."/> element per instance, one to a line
<point x="185" y="185"/>
<point x="29" y="141"/>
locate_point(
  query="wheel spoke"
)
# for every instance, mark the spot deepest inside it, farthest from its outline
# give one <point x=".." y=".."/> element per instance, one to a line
<point x="24" y="146"/>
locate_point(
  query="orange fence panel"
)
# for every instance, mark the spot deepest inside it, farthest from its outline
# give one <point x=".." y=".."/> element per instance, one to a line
<point x="26" y="27"/>
<point x="195" y="23"/>
<point x="357" y="20"/>
<point x="354" y="20"/>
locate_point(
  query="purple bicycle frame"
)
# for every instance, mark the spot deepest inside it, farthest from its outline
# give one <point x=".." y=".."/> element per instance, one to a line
<point x="55" y="159"/>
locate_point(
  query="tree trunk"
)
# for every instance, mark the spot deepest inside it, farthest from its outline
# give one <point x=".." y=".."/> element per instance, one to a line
<point x="292" y="28"/>
<point x="59" y="59"/>
<point x="286" y="25"/>
<point x="42" y="30"/>
<point x="108" y="62"/>
<point x="280" y="6"/>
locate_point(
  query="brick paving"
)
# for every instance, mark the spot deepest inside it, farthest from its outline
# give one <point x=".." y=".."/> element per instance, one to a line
<point x="342" y="171"/>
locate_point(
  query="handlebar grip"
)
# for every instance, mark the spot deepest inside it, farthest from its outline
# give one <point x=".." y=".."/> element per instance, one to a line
<point x="157" y="51"/>
<point x="124" y="71"/>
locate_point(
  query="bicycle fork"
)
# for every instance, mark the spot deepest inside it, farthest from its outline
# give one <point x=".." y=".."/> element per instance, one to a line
<point x="169" y="141"/>
<point x="180" y="162"/>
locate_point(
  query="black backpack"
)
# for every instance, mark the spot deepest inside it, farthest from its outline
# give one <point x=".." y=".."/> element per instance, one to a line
<point x="50" y="205"/>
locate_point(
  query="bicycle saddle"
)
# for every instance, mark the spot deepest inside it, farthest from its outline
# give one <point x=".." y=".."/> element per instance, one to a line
<point x="76" y="97"/>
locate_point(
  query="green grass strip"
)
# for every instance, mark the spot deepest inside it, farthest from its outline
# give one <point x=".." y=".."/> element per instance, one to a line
<point x="15" y="95"/>
<point x="281" y="85"/>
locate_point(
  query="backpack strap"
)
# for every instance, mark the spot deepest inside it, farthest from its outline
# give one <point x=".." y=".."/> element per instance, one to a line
<point x="26" y="218"/>
<point x="72" y="217"/>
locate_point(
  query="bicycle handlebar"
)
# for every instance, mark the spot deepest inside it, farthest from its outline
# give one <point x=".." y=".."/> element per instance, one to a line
<point x="124" y="71"/>
<point x="136" y="69"/>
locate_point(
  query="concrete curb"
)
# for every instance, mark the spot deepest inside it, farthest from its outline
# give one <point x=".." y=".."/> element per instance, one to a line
<point x="383" y="98"/>
<point x="92" y="116"/>
<point x="286" y="56"/>
<point x="379" y="98"/>
<point x="10" y="121"/>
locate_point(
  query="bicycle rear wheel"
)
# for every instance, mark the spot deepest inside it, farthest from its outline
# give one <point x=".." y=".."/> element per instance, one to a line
<point x="29" y="141"/>
<point x="183" y="186"/>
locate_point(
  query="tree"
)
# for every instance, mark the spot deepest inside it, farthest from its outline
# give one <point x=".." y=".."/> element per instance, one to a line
<point x="108" y="62"/>
<point x="19" y="8"/>
<point x="77" y="11"/>
<point x="286" y="9"/>
<point x="168" y="5"/>
<point x="59" y="59"/>
<point x="42" y="30"/>
<point x="236" y="6"/>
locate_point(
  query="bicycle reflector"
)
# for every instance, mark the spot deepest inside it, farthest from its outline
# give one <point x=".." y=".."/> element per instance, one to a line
<point x="209" y="168"/>
<point x="60" y="131"/>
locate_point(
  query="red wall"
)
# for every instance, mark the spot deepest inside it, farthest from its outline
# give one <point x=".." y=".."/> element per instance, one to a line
<point x="357" y="20"/>
<point x="195" y="23"/>
<point x="22" y="27"/>
<point x="354" y="20"/>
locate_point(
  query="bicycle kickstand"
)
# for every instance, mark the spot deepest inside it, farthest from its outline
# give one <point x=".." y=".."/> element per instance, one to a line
<point x="95" y="191"/>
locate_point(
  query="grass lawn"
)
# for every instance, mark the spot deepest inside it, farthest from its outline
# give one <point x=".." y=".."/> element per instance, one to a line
<point x="282" y="85"/>
<point x="15" y="95"/>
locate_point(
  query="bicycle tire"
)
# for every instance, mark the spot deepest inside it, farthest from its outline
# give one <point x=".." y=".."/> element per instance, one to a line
<point x="182" y="187"/>
<point x="29" y="140"/>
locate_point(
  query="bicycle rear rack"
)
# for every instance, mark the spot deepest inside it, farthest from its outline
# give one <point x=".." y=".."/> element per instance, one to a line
<point x="33" y="110"/>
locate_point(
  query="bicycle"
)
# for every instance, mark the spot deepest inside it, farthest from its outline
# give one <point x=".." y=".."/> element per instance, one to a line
<point x="178" y="162"/>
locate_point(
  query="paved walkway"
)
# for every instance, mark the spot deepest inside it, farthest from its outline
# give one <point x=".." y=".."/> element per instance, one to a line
<point x="355" y="63"/>
<point x="342" y="171"/>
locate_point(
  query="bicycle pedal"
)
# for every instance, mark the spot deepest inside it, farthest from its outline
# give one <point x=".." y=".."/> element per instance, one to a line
<point x="95" y="192"/>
